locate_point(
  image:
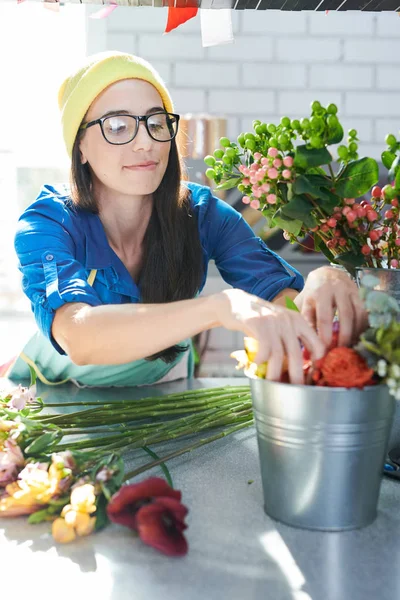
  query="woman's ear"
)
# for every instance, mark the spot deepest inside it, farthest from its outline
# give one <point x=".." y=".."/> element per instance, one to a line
<point x="82" y="155"/>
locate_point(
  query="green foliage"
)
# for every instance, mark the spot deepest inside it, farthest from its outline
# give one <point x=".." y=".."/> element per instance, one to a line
<point x="357" y="178"/>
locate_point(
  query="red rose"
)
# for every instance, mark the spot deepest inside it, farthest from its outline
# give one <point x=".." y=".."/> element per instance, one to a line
<point x="343" y="367"/>
<point x="153" y="509"/>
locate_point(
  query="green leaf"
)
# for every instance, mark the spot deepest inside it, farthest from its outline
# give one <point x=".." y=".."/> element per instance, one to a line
<point x="397" y="180"/>
<point x="33" y="375"/>
<point x="316" y="171"/>
<point x="370" y="346"/>
<point x="387" y="158"/>
<point x="298" y="207"/>
<point x="357" y="178"/>
<point x="291" y="225"/>
<point x="162" y="465"/>
<point x="38" y="517"/>
<point x="317" y="187"/>
<point x="396" y="356"/>
<point x="43" y="442"/>
<point x="351" y="260"/>
<point x="290" y="304"/>
<point x="380" y="334"/>
<point x="284" y="191"/>
<point x="394" y="169"/>
<point x="307" y="185"/>
<point x="305" y="158"/>
<point x="102" y="519"/>
<point x="327" y="201"/>
<point x="229" y="184"/>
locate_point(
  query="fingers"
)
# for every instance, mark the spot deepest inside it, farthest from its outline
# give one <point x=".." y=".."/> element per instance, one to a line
<point x="275" y="361"/>
<point x="288" y="331"/>
<point x="346" y="318"/>
<point x="360" y="317"/>
<point x="308" y="312"/>
<point x="324" y="310"/>
<point x="295" y="359"/>
<point x="312" y="341"/>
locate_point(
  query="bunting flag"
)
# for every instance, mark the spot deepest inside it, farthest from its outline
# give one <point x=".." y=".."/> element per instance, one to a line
<point x="216" y="26"/>
<point x="178" y="16"/>
<point x="52" y="5"/>
<point x="104" y="12"/>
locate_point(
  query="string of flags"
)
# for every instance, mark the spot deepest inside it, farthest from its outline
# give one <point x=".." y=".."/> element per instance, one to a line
<point x="215" y="25"/>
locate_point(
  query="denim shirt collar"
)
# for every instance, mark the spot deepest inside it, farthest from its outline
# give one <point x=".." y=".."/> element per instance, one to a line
<point x="100" y="255"/>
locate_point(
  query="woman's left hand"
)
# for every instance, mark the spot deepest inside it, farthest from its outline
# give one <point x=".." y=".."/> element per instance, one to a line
<point x="326" y="290"/>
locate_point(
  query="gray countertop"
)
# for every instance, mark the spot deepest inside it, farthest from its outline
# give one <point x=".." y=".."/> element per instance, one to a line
<point x="235" y="550"/>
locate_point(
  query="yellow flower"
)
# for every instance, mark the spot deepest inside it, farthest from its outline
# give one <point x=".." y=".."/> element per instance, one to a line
<point x="246" y="358"/>
<point x="35" y="487"/>
<point x="7" y="425"/>
<point x="75" y="517"/>
<point x="35" y="481"/>
<point x="62" y="532"/>
<point x="82" y="522"/>
<point x="83" y="498"/>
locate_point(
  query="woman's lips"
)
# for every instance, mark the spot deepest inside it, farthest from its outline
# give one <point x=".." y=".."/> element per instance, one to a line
<point x="146" y="166"/>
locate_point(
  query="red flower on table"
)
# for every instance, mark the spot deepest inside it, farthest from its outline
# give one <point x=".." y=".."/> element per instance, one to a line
<point x="153" y="509"/>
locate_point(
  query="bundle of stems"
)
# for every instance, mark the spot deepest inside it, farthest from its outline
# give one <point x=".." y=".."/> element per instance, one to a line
<point x="126" y="425"/>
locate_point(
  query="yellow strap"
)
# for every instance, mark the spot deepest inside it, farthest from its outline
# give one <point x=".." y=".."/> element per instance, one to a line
<point x="25" y="358"/>
<point x="92" y="276"/>
<point x="40" y="375"/>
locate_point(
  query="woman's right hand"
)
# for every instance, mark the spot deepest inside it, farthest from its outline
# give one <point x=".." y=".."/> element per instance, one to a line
<point x="277" y="329"/>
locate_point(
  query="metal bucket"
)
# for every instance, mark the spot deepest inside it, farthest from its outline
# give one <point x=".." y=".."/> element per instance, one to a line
<point x="322" y="452"/>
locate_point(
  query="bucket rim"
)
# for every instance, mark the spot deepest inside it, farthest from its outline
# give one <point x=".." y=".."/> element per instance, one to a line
<point x="320" y="388"/>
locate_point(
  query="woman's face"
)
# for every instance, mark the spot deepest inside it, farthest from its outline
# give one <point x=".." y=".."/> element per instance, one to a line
<point x="138" y="167"/>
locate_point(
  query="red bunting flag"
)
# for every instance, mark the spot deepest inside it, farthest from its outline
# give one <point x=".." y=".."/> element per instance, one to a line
<point x="178" y="16"/>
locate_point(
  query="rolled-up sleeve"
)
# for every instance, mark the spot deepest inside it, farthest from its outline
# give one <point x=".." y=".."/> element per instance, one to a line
<point x="243" y="259"/>
<point x="51" y="275"/>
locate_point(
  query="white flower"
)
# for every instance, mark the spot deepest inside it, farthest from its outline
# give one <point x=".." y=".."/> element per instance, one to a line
<point x="395" y="371"/>
<point x="391" y="383"/>
<point x="382" y="367"/>
<point x="397" y="394"/>
<point x="21" y="396"/>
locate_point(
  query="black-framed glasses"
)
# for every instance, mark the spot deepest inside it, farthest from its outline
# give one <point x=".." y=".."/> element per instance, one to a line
<point x="122" y="129"/>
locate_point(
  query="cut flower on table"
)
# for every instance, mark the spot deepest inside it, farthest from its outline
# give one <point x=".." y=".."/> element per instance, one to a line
<point x="80" y="486"/>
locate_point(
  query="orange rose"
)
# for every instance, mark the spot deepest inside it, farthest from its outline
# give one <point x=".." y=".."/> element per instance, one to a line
<point x="343" y="367"/>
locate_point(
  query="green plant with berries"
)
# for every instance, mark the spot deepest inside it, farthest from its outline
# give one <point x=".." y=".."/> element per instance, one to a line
<point x="286" y="171"/>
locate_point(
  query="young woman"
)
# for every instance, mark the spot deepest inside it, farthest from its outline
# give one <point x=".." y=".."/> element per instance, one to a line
<point x="114" y="264"/>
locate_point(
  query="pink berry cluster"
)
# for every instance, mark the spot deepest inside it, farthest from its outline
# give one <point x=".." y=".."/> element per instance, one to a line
<point x="262" y="176"/>
<point x="374" y="224"/>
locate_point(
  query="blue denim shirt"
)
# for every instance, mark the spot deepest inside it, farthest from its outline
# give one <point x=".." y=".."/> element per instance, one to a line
<point x="58" y="245"/>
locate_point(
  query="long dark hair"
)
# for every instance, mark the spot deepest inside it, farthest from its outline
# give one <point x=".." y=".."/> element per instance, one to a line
<point x="173" y="262"/>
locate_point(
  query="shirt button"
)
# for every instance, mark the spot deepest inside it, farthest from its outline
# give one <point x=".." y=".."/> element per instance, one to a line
<point x="49" y="257"/>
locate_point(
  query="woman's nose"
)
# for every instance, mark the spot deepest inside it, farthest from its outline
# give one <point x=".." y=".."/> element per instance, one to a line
<point x="142" y="140"/>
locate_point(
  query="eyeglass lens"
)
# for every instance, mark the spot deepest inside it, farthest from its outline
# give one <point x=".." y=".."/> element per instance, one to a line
<point x="123" y="128"/>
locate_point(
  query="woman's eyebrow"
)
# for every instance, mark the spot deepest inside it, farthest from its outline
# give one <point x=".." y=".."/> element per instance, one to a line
<point x="111" y="113"/>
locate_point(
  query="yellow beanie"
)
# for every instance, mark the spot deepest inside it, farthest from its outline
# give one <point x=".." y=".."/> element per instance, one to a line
<point x="100" y="70"/>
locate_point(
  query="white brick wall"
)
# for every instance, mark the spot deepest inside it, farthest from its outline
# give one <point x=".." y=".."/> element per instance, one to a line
<point x="279" y="63"/>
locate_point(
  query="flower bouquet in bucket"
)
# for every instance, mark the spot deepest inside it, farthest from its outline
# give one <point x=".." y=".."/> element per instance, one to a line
<point x="323" y="444"/>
